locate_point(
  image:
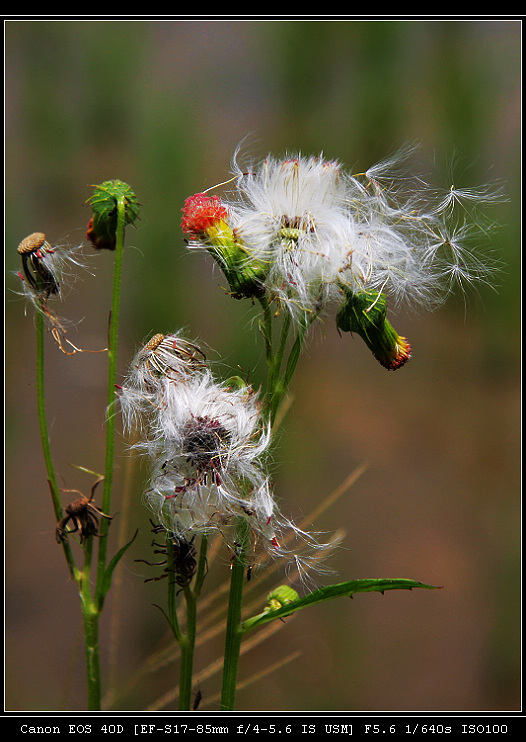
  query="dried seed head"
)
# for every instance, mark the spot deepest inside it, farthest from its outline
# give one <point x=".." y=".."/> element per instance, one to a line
<point x="169" y="355"/>
<point x="164" y="359"/>
<point x="31" y="243"/>
<point x="39" y="265"/>
<point x="205" y="443"/>
<point x="46" y="269"/>
<point x="83" y="515"/>
<point x="154" y="342"/>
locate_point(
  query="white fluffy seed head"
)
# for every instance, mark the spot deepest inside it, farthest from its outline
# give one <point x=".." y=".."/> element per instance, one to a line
<point x="187" y="508"/>
<point x="166" y="357"/>
<point x="292" y="216"/>
<point x="161" y="360"/>
<point x="236" y="414"/>
<point x="317" y="228"/>
<point x="207" y="442"/>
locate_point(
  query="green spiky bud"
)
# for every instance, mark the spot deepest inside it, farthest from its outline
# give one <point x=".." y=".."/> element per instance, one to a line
<point x="102" y="226"/>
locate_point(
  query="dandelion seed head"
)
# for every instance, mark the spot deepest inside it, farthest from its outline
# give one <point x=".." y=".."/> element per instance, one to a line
<point x="317" y="228"/>
<point x="291" y="216"/>
<point x="207" y="442"/>
<point x="230" y="416"/>
<point x="162" y="359"/>
<point x="167" y="356"/>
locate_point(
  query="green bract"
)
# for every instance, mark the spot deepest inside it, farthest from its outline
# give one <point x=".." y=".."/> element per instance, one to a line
<point x="104" y="203"/>
<point x="365" y="313"/>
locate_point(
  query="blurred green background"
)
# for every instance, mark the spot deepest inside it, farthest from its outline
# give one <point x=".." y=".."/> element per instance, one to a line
<point x="162" y="105"/>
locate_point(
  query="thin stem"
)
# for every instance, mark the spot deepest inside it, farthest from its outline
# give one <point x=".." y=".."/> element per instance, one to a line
<point x="92" y="607"/>
<point x="282" y="384"/>
<point x="202" y="566"/>
<point x="187" y="645"/>
<point x="266" y="326"/>
<point x="44" y="437"/>
<point x="274" y="390"/>
<point x="173" y="591"/>
<point x="187" y="639"/>
<point x="91" y="633"/>
<point x="113" y="336"/>
<point x="295" y="353"/>
<point x="90" y="613"/>
<point x="276" y="387"/>
<point x="233" y="626"/>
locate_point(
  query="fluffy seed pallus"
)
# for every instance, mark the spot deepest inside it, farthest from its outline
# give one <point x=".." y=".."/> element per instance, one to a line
<point x="44" y="267"/>
<point x="207" y="441"/>
<point x="208" y="445"/>
<point x="316" y="227"/>
<point x="163" y="358"/>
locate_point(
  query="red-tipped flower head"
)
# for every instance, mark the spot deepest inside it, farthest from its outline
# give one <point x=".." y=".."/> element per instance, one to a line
<point x="202" y="213"/>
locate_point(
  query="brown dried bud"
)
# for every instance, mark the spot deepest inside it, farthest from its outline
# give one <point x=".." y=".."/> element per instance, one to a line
<point x="31" y="243"/>
<point x="154" y="342"/>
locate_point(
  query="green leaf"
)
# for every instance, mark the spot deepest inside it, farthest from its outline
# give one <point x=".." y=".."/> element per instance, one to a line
<point x="343" y="589"/>
<point x="173" y="627"/>
<point x="108" y="574"/>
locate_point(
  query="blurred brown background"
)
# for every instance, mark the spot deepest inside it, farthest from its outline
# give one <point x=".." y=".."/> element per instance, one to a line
<point x="162" y="105"/>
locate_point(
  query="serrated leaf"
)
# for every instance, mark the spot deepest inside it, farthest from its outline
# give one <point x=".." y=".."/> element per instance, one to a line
<point x="330" y="592"/>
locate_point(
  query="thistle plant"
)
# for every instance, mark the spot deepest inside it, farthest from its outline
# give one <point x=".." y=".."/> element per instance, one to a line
<point x="301" y="240"/>
<point x="43" y="275"/>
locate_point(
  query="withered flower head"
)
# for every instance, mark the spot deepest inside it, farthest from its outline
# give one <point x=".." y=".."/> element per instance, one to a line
<point x="83" y="515"/>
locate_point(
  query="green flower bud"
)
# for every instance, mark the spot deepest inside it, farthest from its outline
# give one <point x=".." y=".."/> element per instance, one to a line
<point x="102" y="226"/>
<point x="205" y="220"/>
<point x="280" y="597"/>
<point x="365" y="314"/>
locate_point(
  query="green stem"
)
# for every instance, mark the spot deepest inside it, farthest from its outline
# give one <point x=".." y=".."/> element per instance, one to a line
<point x="92" y="607"/>
<point x="113" y="336"/>
<point x="295" y="353"/>
<point x="187" y="639"/>
<point x="173" y="591"/>
<point x="44" y="437"/>
<point x="89" y="610"/>
<point x="187" y="646"/>
<point x="233" y="626"/>
<point x="277" y="385"/>
<point x="274" y="391"/>
<point x="90" y="613"/>
<point x="276" y="388"/>
<point x="266" y="326"/>
<point x="202" y="566"/>
<point x="91" y="634"/>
